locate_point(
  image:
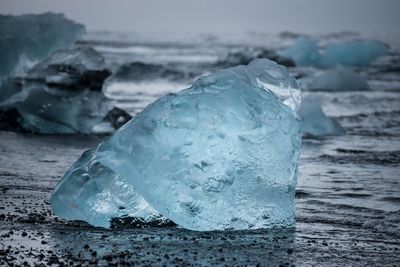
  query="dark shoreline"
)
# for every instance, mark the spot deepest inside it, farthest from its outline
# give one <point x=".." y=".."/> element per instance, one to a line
<point x="31" y="165"/>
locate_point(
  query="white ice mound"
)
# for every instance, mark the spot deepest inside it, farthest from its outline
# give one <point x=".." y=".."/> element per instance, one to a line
<point x="306" y="52"/>
<point x="222" y="154"/>
<point x="339" y="79"/>
<point x="33" y="37"/>
<point x="315" y="122"/>
<point x="62" y="94"/>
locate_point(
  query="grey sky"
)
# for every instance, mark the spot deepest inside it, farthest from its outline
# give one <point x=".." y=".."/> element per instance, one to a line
<point x="307" y="16"/>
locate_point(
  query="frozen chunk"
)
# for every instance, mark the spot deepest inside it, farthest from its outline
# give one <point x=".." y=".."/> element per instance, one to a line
<point x="339" y="79"/>
<point x="314" y="120"/>
<point x="306" y="52"/>
<point x="353" y="53"/>
<point x="70" y="68"/>
<point x="63" y="94"/>
<point x="30" y="38"/>
<point x="222" y="154"/>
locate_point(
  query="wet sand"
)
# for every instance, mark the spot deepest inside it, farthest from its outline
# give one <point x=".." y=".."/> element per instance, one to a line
<point x="30" y="167"/>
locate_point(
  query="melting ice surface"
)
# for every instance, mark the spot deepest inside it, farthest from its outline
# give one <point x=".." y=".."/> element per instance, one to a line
<point x="306" y="52"/>
<point x="222" y="154"/>
<point x="314" y="120"/>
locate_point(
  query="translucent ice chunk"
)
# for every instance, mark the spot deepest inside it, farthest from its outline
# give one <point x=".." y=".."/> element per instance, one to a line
<point x="62" y="94"/>
<point x="353" y="53"/>
<point x="306" y="52"/>
<point x="32" y="37"/>
<point x="314" y="120"/>
<point x="338" y="79"/>
<point x="222" y="154"/>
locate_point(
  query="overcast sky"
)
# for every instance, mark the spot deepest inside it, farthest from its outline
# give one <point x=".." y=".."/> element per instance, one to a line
<point x="305" y="16"/>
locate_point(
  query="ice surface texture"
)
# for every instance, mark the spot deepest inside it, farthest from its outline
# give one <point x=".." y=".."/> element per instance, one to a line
<point x="62" y="94"/>
<point x="221" y="154"/>
<point x="306" y="52"/>
<point x="33" y="37"/>
<point x="315" y="122"/>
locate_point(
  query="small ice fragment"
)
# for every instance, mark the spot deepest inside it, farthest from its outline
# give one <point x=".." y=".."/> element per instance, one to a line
<point x="352" y="53"/>
<point x="314" y="120"/>
<point x="222" y="154"/>
<point x="306" y="52"/>
<point x="338" y="79"/>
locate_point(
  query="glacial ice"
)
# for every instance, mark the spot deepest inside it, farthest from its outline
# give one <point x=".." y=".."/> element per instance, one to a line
<point x="315" y="122"/>
<point x="62" y="94"/>
<point x="353" y="53"/>
<point x="306" y="52"/>
<point x="338" y="79"/>
<point x="30" y="38"/>
<point x="221" y="154"/>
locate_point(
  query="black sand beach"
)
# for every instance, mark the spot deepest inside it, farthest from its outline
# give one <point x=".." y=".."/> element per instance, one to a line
<point x="31" y="166"/>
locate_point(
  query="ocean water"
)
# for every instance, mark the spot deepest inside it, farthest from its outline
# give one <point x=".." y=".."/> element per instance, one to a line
<point x="349" y="180"/>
